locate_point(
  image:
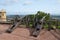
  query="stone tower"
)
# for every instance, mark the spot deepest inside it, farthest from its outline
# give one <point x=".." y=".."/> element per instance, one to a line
<point x="2" y="15"/>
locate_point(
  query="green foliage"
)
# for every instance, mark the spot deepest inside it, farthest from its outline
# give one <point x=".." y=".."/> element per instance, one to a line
<point x="46" y="26"/>
<point x="38" y="15"/>
<point x="58" y="27"/>
<point x="41" y="14"/>
<point x="53" y="22"/>
<point x="31" y="17"/>
<point x="48" y="17"/>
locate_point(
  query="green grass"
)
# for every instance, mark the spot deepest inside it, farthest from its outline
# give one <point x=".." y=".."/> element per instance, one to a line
<point x="30" y="25"/>
<point x="45" y="26"/>
<point x="58" y="27"/>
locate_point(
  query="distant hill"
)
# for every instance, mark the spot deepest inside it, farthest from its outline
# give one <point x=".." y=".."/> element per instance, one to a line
<point x="12" y="16"/>
<point x="55" y="16"/>
<point x="52" y="16"/>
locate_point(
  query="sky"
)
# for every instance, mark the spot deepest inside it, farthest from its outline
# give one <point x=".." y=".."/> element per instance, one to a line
<point x="30" y="6"/>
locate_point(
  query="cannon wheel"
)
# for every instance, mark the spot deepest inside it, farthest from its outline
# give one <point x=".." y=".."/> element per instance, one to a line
<point x="9" y="31"/>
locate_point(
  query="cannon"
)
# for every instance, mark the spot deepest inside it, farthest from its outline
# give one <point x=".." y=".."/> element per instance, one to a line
<point x="15" y="24"/>
<point x="38" y="26"/>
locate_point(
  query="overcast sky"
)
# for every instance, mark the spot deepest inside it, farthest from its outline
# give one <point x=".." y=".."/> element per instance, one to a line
<point x="30" y="6"/>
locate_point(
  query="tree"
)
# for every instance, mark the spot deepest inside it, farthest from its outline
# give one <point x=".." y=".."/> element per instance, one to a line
<point x="41" y="14"/>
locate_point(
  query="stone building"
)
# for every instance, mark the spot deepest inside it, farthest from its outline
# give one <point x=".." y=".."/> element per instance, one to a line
<point x="2" y="15"/>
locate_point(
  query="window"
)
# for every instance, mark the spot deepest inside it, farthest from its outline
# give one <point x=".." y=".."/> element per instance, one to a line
<point x="2" y="14"/>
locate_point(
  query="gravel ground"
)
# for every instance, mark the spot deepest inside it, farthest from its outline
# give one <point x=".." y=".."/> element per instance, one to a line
<point x="24" y="34"/>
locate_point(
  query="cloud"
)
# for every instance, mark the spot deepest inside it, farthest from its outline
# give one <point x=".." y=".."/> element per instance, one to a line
<point x="16" y="1"/>
<point x="27" y="3"/>
<point x="58" y="1"/>
<point x="8" y="2"/>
